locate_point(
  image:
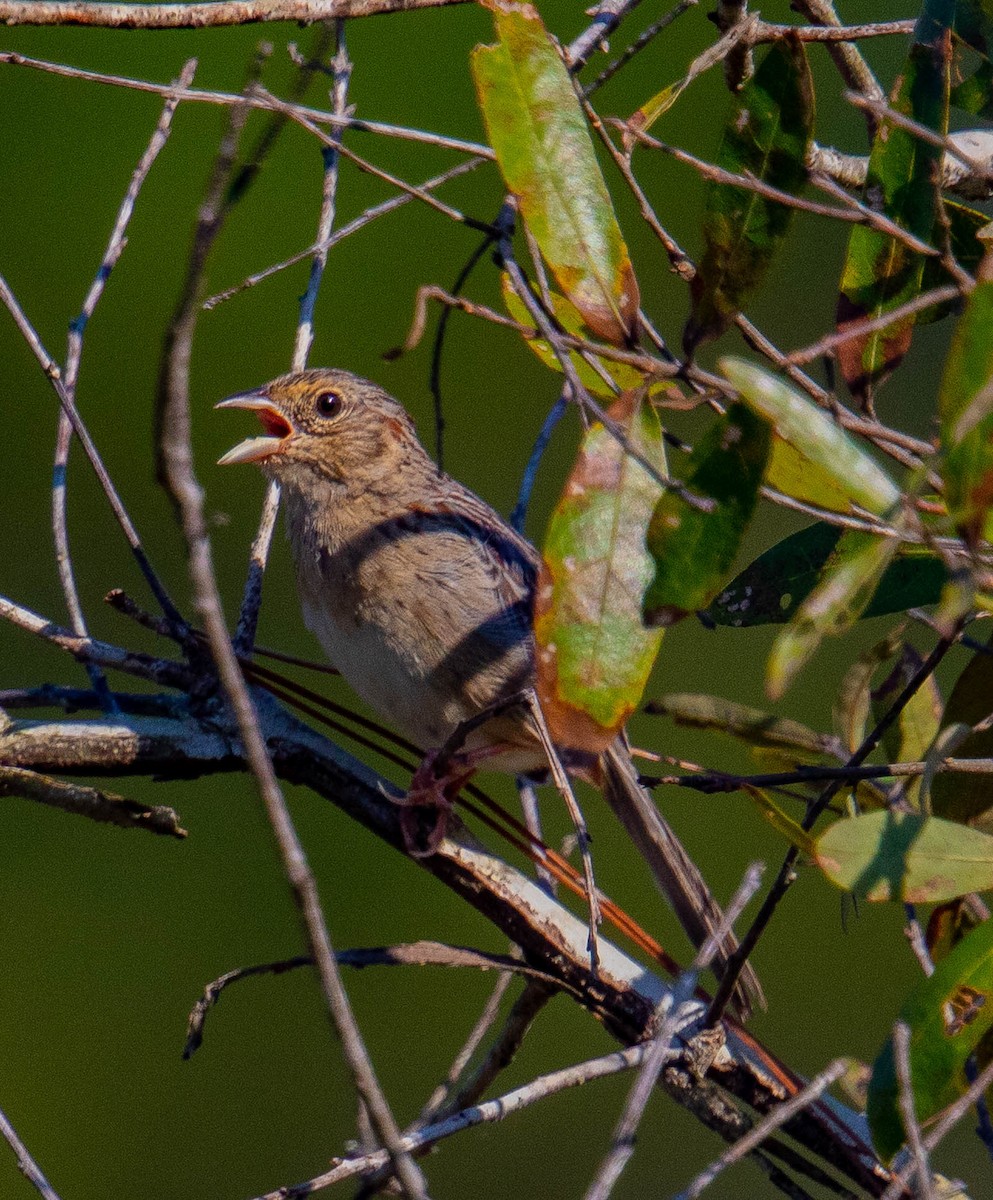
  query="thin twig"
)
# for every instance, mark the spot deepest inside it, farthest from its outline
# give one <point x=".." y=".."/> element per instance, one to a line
<point x="679" y="1012"/>
<point x="785" y="877"/>
<point x="26" y="1164"/>
<point x="261" y="100"/>
<point x="188" y="496"/>
<point x="248" y="615"/>
<point x="53" y="372"/>
<point x="370" y="214"/>
<point x="492" y="1110"/>
<point x="908" y="1111"/>
<point x="771" y="1122"/>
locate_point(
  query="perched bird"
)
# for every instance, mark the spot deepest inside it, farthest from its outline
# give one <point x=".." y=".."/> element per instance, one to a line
<point x="421" y="595"/>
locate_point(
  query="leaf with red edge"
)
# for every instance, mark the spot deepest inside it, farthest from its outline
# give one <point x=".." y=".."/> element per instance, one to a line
<point x="594" y="652"/>
<point x="881" y="272"/>
<point x="544" y="150"/>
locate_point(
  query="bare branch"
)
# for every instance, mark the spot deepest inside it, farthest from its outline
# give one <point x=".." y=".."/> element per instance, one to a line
<point x="28" y="1167"/>
<point x="212" y="14"/>
<point x="89" y="802"/>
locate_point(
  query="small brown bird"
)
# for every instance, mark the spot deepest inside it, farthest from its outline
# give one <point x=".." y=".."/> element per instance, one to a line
<point x="421" y="595"/>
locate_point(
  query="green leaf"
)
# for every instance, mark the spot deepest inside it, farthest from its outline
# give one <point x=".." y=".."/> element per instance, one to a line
<point x="838" y="600"/>
<point x="905" y="856"/>
<point x="966" y="411"/>
<point x="965" y="225"/>
<point x="803" y="425"/>
<point x="649" y="112"/>
<point x="568" y="316"/>
<point x="792" y="830"/>
<point x="771" y="589"/>
<point x="966" y="797"/>
<point x="974" y="25"/>
<point x="694" y="550"/>
<point x="880" y="272"/>
<point x="851" y="708"/>
<point x="917" y="726"/>
<point x="545" y="153"/>
<point x="750" y="725"/>
<point x="767" y="136"/>
<point x="975" y="94"/>
<point x="594" y="651"/>
<point x="948" y="1014"/>
<point x="792" y="473"/>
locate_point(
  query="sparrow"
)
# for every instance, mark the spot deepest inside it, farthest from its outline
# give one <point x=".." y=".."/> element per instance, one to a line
<point x="421" y="595"/>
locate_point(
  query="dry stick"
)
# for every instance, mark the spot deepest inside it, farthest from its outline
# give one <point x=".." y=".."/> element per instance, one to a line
<point x="439" y="1098"/>
<point x="891" y="442"/>
<point x="492" y="1110"/>
<point x="625" y="1000"/>
<point x="768" y="32"/>
<point x="676" y="1016"/>
<point x="74" y="353"/>
<point x="210" y="220"/>
<point x="785" y="876"/>
<point x="607" y="15"/>
<point x="177" y="458"/>
<point x="773" y="1121"/>
<point x="90" y="802"/>
<point x="51" y="369"/>
<point x="501" y="1053"/>
<point x="189" y="497"/>
<point x="640" y="42"/>
<point x="262" y="101"/>
<point x="251" y="602"/>
<point x="911" y="1125"/>
<point x="443" y="1103"/>
<point x="579" y="394"/>
<point x="370" y="214"/>
<point x="196" y="16"/>
<point x="714" y="782"/>
<point x="87" y="649"/>
<point x="26" y="1164"/>
<point x="407" y="954"/>
<point x="853" y="68"/>
<point x="853" y="210"/>
<point x="859" y="329"/>
<point x="949" y="1119"/>
<point x="739" y="65"/>
<point x="333" y="142"/>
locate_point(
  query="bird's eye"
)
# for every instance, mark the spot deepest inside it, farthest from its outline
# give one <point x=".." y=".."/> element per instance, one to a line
<point x="327" y="404"/>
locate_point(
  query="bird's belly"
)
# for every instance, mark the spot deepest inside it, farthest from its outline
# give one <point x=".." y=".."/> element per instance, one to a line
<point x="383" y="678"/>
<point x="402" y="688"/>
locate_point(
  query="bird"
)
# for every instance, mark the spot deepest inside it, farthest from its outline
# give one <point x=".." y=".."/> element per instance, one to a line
<point x="421" y="595"/>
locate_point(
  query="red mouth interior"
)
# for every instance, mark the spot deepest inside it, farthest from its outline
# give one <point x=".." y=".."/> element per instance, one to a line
<point x="274" y="423"/>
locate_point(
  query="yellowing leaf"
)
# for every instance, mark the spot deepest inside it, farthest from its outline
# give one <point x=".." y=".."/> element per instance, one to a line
<point x="545" y="153"/>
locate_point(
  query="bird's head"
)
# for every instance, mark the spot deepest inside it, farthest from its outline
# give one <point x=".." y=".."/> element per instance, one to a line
<point x="324" y="421"/>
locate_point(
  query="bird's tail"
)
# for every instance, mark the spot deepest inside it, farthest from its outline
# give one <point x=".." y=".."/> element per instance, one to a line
<point x="675" y="872"/>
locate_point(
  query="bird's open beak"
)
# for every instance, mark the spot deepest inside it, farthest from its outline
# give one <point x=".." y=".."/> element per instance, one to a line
<point x="277" y="429"/>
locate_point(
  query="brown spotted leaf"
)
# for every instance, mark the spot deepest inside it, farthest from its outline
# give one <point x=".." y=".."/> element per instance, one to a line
<point x="594" y="652"/>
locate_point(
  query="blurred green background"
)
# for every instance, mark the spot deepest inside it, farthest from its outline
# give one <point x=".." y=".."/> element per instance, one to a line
<point x="109" y="936"/>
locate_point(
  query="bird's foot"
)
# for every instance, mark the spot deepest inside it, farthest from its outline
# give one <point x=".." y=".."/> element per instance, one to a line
<point x="435" y="784"/>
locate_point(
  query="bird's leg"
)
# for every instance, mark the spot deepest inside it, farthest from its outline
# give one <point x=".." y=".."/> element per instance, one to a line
<point x="442" y="773"/>
<point x="450" y="763"/>
<point x="529" y="699"/>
